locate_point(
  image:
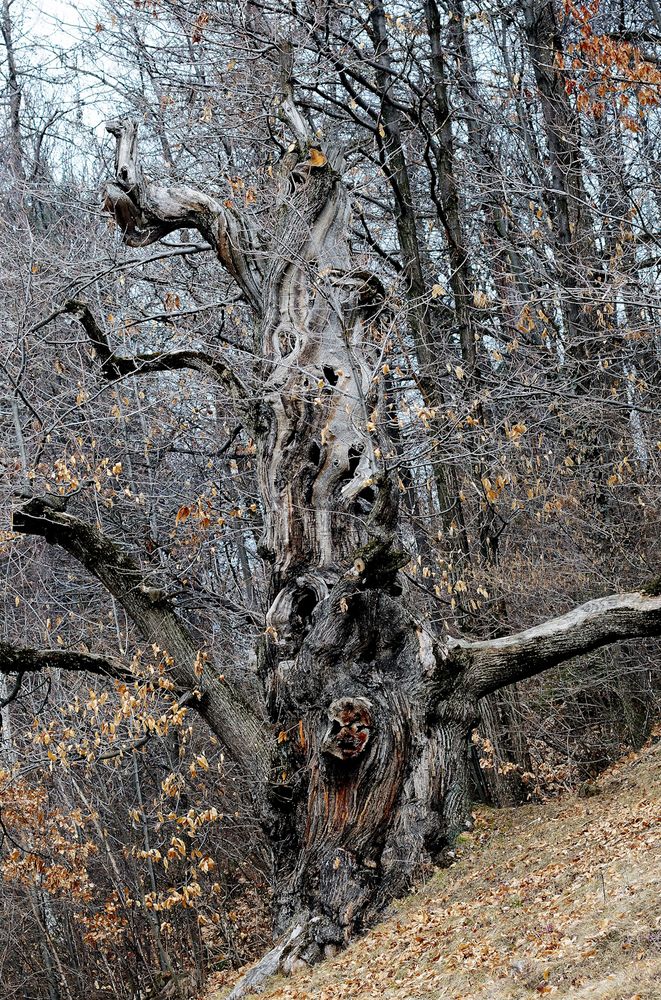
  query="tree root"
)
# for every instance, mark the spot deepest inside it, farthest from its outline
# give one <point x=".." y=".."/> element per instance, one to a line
<point x="304" y="943"/>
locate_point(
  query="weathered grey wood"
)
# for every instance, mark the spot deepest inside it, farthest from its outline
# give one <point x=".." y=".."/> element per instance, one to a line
<point x="493" y="664"/>
<point x="146" y="212"/>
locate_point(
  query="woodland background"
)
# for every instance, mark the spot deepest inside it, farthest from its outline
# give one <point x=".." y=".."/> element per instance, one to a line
<point x="519" y="198"/>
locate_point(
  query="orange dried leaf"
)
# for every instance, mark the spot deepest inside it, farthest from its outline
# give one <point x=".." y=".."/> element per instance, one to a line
<point x="317" y="158"/>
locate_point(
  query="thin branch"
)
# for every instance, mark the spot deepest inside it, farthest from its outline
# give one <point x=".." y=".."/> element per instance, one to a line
<point x="13" y="694"/>
<point x="114" y="366"/>
<point x="189" y="698"/>
<point x="187" y="250"/>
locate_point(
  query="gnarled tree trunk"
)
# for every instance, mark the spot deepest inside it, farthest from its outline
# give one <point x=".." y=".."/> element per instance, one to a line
<point x="358" y="755"/>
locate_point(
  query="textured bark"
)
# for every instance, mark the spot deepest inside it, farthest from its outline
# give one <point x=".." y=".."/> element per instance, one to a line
<point x="317" y="459"/>
<point x="376" y="769"/>
<point x="24" y="660"/>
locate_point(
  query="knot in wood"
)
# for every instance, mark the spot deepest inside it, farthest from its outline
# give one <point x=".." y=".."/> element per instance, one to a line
<point x="350" y="726"/>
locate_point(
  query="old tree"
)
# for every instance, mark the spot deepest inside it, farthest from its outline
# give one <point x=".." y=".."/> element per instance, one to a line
<point x="352" y="731"/>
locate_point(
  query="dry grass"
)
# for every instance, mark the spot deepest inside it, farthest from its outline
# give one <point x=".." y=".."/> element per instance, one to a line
<point x="560" y="899"/>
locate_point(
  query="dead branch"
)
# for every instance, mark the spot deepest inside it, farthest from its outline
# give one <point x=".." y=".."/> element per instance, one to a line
<point x="495" y="663"/>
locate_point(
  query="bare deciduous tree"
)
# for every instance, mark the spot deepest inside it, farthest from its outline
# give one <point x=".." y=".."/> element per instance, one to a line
<point x="352" y="733"/>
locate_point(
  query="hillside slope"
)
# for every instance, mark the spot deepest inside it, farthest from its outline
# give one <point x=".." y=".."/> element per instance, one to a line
<point x="561" y="900"/>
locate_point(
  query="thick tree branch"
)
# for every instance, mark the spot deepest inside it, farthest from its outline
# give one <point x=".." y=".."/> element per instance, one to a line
<point x="25" y="660"/>
<point x="156" y="620"/>
<point x="495" y="663"/>
<point x="147" y="212"/>
<point x="115" y="366"/>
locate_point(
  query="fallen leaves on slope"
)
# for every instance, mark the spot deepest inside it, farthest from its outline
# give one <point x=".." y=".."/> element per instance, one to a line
<point x="558" y="900"/>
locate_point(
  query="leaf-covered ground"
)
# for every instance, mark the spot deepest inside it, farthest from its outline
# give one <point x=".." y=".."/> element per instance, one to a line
<point x="561" y="899"/>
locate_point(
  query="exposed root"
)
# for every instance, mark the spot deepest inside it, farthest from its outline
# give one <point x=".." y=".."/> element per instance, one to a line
<point x="305" y="943"/>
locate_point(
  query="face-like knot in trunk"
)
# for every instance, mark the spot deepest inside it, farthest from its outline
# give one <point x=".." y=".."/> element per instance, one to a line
<point x="350" y="725"/>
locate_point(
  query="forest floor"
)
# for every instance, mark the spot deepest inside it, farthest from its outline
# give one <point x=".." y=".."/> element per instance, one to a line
<point x="561" y="899"/>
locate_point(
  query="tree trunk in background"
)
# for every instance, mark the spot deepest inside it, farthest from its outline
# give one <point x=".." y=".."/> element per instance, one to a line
<point x="499" y="769"/>
<point x="565" y="194"/>
<point x="424" y="319"/>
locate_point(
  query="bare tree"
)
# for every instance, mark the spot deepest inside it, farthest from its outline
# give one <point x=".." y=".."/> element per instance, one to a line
<point x="352" y="733"/>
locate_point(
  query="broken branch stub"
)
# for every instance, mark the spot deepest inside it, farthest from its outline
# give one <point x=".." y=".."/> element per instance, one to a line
<point x="146" y="212"/>
<point x="127" y="169"/>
